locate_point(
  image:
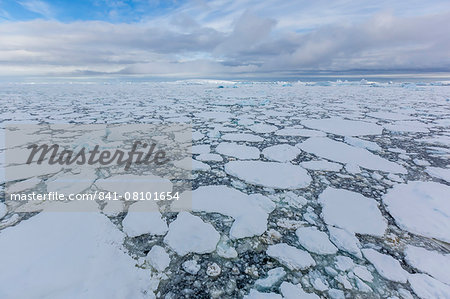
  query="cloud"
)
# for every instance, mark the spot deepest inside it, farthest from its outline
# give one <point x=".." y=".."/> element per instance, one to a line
<point x="195" y="41"/>
<point x="40" y="7"/>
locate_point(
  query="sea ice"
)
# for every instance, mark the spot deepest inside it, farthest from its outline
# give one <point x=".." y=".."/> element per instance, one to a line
<point x="291" y="257"/>
<point x="249" y="211"/>
<point x="300" y="132"/>
<point x="292" y="291"/>
<point x="427" y="287"/>
<point x="209" y="158"/>
<point x="269" y="174"/>
<point x="254" y="294"/>
<point x="440" y="173"/>
<point x="139" y="220"/>
<point x="274" y="276"/>
<point x="242" y="137"/>
<point x="321" y="165"/>
<point x="263" y="128"/>
<point x="345" y="241"/>
<point x="421" y="208"/>
<point x="158" y="258"/>
<point x="430" y="262"/>
<point x="74" y="255"/>
<point x="343" y="127"/>
<point x="315" y="241"/>
<point x="386" y="265"/>
<point x="188" y="233"/>
<point x="281" y="152"/>
<point x="239" y="151"/>
<point x="352" y="211"/>
<point x="344" y="153"/>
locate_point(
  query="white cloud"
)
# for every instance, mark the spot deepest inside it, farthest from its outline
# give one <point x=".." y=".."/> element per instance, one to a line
<point x="40" y="7"/>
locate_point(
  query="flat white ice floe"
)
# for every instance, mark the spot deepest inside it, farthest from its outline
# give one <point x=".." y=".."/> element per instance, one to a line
<point x="209" y="158"/>
<point x="281" y="152"/>
<point x="140" y="220"/>
<point x="263" y="128"/>
<point x="249" y="211"/>
<point x="191" y="164"/>
<point x="68" y="248"/>
<point x="188" y="233"/>
<point x="242" y="137"/>
<point x="352" y="211"/>
<point x="430" y="262"/>
<point x="295" y="291"/>
<point x="300" y="132"/>
<point x="158" y="258"/>
<point x="357" y="142"/>
<point x="254" y="294"/>
<point x="345" y="240"/>
<point x="409" y="126"/>
<point x="239" y="151"/>
<point x="321" y="165"/>
<point x="440" y="173"/>
<point x="315" y="241"/>
<point x="291" y="257"/>
<point x="344" y="153"/>
<point x="343" y="127"/>
<point x="269" y="174"/>
<point x="427" y="287"/>
<point x="386" y="265"/>
<point x="421" y="208"/>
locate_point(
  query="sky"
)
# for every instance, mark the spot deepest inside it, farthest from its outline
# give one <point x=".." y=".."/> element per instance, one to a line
<point x="222" y="39"/>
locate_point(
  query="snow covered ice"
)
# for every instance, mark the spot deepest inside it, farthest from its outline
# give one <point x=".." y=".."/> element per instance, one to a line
<point x="298" y="191"/>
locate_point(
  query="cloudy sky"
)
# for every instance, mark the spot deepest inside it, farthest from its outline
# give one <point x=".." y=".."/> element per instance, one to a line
<point x="222" y="39"/>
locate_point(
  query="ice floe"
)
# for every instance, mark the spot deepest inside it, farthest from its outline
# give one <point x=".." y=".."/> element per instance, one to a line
<point x="315" y="241"/>
<point x="421" y="208"/>
<point x="281" y="152"/>
<point x="431" y="262"/>
<point x="352" y="211"/>
<point x="386" y="265"/>
<point x="344" y="153"/>
<point x="343" y="127"/>
<point x="188" y="233"/>
<point x="239" y="151"/>
<point x="291" y="257"/>
<point x="269" y="174"/>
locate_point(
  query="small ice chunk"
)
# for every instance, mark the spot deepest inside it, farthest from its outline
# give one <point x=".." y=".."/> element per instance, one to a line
<point x="430" y="262"/>
<point x="274" y="276"/>
<point x="345" y="241"/>
<point x="344" y="263"/>
<point x="269" y="174"/>
<point x="352" y="168"/>
<point x="281" y="152"/>
<point x="295" y="291"/>
<point x="318" y="284"/>
<point x="291" y="257"/>
<point x="188" y="233"/>
<point x="158" y="258"/>
<point x="191" y="267"/>
<point x="315" y="241"/>
<point x="352" y="211"/>
<point x="225" y="250"/>
<point x="363" y="273"/>
<point x="213" y="270"/>
<point x="386" y="265"/>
